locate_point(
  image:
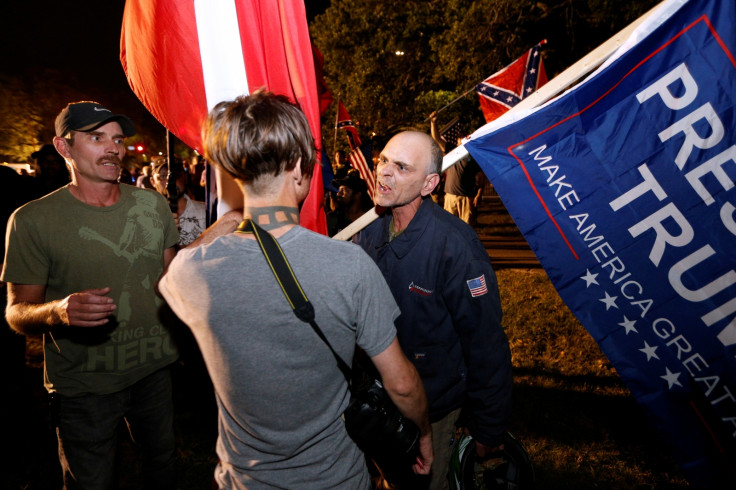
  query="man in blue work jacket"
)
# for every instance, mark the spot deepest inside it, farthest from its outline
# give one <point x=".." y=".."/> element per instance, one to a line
<point x="442" y="279"/>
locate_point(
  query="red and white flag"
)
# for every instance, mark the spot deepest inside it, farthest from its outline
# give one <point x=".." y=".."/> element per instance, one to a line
<point x="504" y="89"/>
<point x="182" y="57"/>
<point x="358" y="161"/>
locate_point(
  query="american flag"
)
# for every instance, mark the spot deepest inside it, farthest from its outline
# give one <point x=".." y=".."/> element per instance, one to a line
<point x="477" y="286"/>
<point x="451" y="132"/>
<point x="504" y="89"/>
<point x="359" y="162"/>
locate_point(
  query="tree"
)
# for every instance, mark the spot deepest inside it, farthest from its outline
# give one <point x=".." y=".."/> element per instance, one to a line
<point x="448" y="47"/>
<point x="20" y="120"/>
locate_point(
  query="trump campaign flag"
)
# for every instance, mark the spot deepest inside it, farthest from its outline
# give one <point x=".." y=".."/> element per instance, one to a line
<point x="182" y="57"/>
<point x="504" y="89"/>
<point x="624" y="188"/>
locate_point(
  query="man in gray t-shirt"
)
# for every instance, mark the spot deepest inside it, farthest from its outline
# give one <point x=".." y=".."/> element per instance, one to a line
<point x="280" y="393"/>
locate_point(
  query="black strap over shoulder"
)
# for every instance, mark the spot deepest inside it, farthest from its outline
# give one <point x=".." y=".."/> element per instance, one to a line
<point x="288" y="282"/>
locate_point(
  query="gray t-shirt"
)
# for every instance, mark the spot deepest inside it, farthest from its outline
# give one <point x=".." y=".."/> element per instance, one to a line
<point x="279" y="391"/>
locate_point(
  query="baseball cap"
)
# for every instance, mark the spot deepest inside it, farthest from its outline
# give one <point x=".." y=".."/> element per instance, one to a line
<point x="86" y="116"/>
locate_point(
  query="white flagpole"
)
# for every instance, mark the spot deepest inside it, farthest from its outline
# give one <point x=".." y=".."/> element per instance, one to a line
<point x="553" y="87"/>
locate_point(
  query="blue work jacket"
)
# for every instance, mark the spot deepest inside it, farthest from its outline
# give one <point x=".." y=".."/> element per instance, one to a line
<point x="450" y="323"/>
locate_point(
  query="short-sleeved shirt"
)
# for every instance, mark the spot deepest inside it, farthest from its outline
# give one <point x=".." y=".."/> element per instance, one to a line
<point x="279" y="390"/>
<point x="70" y="246"/>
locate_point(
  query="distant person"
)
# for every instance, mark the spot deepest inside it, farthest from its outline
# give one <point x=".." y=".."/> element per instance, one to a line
<point x="191" y="215"/>
<point x="80" y="266"/>
<point x="351" y="202"/>
<point x="51" y="171"/>
<point x="442" y="279"/>
<point x="279" y="390"/>
<point x="340" y="165"/>
<point x="144" y="180"/>
<point x="464" y="182"/>
<point x="195" y="172"/>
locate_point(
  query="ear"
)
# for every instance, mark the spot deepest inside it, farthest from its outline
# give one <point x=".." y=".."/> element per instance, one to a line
<point x="296" y="172"/>
<point x="430" y="182"/>
<point x="62" y="146"/>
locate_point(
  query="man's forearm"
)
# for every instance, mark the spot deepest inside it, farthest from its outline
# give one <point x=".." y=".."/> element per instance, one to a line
<point x="412" y="403"/>
<point x="31" y="318"/>
<point x="224" y="225"/>
<point x="403" y="385"/>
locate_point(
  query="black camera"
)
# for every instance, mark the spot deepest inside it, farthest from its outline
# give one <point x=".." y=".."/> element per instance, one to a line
<point x="377" y="426"/>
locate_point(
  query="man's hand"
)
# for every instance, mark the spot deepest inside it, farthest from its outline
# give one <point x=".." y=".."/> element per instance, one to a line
<point x="89" y="308"/>
<point x="29" y="313"/>
<point x="481" y="450"/>
<point x="426" y="456"/>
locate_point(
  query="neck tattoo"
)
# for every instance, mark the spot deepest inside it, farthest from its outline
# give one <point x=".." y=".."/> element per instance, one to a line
<point x="272" y="217"/>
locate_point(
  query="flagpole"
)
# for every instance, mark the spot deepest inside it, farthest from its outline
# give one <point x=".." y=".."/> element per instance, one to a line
<point x="449" y="104"/>
<point x="337" y="117"/>
<point x="582" y="67"/>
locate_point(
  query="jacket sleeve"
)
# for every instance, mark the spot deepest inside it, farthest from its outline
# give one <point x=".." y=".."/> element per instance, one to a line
<point x="472" y="296"/>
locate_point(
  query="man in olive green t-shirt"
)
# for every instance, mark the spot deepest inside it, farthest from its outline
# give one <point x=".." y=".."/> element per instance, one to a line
<point x="81" y="265"/>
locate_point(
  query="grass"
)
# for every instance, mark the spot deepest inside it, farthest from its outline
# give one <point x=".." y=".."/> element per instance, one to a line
<point x="579" y="423"/>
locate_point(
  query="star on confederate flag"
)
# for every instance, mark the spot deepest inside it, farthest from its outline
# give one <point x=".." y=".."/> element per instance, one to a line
<point x="504" y="89"/>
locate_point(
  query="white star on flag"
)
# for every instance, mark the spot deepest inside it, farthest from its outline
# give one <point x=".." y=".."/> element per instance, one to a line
<point x="671" y="378"/>
<point x="650" y="351"/>
<point x="609" y="300"/>
<point x="628" y="325"/>
<point x="589" y="278"/>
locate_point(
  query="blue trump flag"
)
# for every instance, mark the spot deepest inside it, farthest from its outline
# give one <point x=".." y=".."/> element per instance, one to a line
<point x="624" y="189"/>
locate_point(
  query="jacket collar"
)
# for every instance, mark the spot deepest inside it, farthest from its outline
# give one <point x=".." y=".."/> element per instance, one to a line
<point x="418" y="226"/>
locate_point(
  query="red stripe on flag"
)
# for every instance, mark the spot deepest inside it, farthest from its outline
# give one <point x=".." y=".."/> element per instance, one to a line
<point x="171" y="90"/>
<point x="357" y="160"/>
<point x="159" y="50"/>
<point x="344" y="122"/>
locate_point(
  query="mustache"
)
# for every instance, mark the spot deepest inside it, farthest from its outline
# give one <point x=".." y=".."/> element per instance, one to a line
<point x="110" y="159"/>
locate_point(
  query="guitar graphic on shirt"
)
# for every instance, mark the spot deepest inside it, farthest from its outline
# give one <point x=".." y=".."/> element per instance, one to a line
<point x="88" y="233"/>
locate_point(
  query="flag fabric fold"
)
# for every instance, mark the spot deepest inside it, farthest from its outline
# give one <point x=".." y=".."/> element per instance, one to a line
<point x="181" y="58"/>
<point x="624" y="188"/>
<point x="324" y="94"/>
<point x="344" y="122"/>
<point x="504" y="89"/>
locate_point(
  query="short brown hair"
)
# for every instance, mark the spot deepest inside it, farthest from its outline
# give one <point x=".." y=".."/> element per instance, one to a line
<point x="258" y="135"/>
<point x="436" y="158"/>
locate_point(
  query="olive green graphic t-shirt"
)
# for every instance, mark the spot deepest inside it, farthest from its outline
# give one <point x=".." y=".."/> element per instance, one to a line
<point x="70" y="246"/>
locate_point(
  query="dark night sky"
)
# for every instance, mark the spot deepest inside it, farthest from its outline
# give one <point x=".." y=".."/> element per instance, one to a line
<point x="81" y="37"/>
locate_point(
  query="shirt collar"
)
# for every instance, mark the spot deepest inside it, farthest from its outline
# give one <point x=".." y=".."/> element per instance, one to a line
<point x="418" y="226"/>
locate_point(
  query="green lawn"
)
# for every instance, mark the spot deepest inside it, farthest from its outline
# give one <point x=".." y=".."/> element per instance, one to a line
<point x="581" y="426"/>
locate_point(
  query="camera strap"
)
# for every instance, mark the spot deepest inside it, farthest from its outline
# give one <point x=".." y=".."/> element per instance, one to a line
<point x="288" y="283"/>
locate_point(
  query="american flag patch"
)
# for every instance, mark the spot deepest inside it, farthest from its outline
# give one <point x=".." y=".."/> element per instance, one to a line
<point x="477" y="286"/>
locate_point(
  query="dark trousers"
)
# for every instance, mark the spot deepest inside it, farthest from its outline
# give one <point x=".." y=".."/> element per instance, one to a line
<point x="88" y="428"/>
